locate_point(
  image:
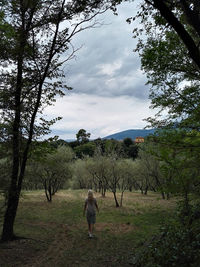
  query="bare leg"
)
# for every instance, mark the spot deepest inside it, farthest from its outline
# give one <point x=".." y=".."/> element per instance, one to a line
<point x="90" y="229"/>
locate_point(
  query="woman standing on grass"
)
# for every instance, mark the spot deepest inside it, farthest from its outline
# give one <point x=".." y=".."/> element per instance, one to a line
<point x="90" y="208"/>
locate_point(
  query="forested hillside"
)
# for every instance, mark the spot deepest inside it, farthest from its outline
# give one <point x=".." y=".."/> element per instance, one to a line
<point x="133" y="133"/>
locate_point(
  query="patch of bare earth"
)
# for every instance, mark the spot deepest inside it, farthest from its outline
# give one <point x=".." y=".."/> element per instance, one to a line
<point x="52" y="255"/>
<point x="31" y="252"/>
<point x="18" y="252"/>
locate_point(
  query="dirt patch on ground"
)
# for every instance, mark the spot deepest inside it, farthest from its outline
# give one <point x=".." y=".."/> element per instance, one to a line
<point x="52" y="255"/>
<point x="19" y="252"/>
<point x="114" y="228"/>
<point x="32" y="252"/>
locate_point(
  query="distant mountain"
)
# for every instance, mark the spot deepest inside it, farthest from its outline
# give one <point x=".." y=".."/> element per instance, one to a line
<point x="133" y="133"/>
<point x="70" y="140"/>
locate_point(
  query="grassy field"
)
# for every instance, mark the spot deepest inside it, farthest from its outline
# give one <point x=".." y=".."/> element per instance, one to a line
<point x="55" y="234"/>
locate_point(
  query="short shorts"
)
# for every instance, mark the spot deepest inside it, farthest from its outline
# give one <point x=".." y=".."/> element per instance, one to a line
<point x="91" y="217"/>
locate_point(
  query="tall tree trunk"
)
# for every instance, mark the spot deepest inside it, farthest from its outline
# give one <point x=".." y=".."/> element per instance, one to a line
<point x="115" y="197"/>
<point x="9" y="218"/>
<point x="18" y="175"/>
<point x="13" y="192"/>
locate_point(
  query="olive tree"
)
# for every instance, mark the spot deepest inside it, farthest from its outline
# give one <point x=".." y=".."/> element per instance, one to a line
<point x="55" y="170"/>
<point x="81" y="178"/>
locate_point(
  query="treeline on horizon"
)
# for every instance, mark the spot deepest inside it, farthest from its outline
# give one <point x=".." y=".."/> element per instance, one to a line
<point x="85" y="147"/>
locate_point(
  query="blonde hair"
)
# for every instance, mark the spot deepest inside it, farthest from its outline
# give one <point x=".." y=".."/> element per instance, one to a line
<point x="90" y="195"/>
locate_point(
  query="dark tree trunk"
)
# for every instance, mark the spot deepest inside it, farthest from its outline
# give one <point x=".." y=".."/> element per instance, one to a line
<point x="8" y="231"/>
<point x="179" y="28"/>
<point x="116" y="202"/>
<point x="100" y="187"/>
<point x="146" y="190"/>
<point x="153" y="188"/>
<point x="14" y="193"/>
<point x="121" y="200"/>
<point x="163" y="194"/>
<point x="103" y="191"/>
<point x="17" y="173"/>
<point x="48" y="191"/>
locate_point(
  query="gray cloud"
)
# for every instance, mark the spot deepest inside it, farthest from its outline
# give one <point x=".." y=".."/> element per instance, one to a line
<point x="99" y="115"/>
<point x="106" y="65"/>
<point x="109" y="92"/>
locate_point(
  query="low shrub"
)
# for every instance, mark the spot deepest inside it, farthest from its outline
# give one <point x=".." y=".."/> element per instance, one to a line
<point x="177" y="245"/>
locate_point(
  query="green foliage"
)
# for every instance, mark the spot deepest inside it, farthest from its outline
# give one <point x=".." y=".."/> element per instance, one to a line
<point x="130" y="149"/>
<point x="189" y="213"/>
<point x="104" y="172"/>
<point x="174" y="246"/>
<point x="58" y="143"/>
<point x="181" y="16"/>
<point x="82" y="136"/>
<point x="178" y="151"/>
<point x="172" y="30"/>
<point x="5" y="170"/>
<point x="148" y="174"/>
<point x="128" y="141"/>
<point x="114" y="146"/>
<point x="39" y="150"/>
<point x="81" y="176"/>
<point x="50" y="172"/>
<point x="172" y="74"/>
<point x="87" y="149"/>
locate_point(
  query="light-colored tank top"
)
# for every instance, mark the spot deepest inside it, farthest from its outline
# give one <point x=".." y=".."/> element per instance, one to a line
<point x="91" y="205"/>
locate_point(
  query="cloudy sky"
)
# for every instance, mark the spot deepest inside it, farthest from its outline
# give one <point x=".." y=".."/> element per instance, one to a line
<point x="109" y="92"/>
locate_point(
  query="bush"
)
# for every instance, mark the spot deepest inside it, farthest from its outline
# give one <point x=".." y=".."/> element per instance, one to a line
<point x="176" y="245"/>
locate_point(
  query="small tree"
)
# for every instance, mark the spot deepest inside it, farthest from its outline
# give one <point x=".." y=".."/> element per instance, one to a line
<point x="150" y="169"/>
<point x="55" y="170"/>
<point x="179" y="153"/>
<point x="82" y="136"/>
<point x="126" y="170"/>
<point x="113" y="175"/>
<point x="81" y="176"/>
<point x="98" y="169"/>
